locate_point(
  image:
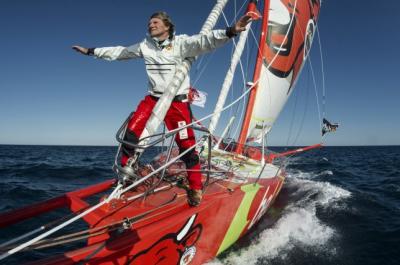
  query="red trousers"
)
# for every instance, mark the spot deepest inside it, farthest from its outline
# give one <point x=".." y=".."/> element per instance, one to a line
<point x="178" y="115"/>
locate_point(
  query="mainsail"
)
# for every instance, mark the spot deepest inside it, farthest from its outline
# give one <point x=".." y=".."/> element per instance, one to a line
<point x="287" y="40"/>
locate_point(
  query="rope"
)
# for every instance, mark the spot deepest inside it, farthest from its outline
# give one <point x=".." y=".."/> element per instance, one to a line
<point x="305" y="108"/>
<point x="323" y="79"/>
<point x="88" y="232"/>
<point x="323" y="73"/>
<point x="293" y="116"/>
<point x="238" y="126"/>
<point x="316" y="95"/>
<point x="55" y="229"/>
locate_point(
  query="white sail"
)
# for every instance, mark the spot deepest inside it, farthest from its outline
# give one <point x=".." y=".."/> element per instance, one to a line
<point x="290" y="33"/>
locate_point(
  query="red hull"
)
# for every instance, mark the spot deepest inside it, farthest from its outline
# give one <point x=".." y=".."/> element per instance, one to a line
<point x="175" y="231"/>
<point x="163" y="229"/>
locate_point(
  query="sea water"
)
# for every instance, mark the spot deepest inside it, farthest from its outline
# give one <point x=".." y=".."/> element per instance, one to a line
<point x="339" y="205"/>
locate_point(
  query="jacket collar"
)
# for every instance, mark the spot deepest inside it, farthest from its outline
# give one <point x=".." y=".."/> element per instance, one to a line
<point x="160" y="44"/>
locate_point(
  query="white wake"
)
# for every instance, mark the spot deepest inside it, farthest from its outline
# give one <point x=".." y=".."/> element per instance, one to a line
<point x="298" y="226"/>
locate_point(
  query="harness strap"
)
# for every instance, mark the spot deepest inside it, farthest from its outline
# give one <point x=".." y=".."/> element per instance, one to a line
<point x="178" y="98"/>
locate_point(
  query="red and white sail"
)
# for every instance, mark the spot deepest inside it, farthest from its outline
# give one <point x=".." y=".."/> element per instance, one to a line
<point x="287" y="40"/>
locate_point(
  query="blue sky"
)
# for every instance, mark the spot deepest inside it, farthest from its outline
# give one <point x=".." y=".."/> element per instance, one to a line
<point x="51" y="95"/>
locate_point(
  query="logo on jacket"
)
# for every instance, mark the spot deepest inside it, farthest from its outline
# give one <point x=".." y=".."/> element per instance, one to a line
<point x="168" y="47"/>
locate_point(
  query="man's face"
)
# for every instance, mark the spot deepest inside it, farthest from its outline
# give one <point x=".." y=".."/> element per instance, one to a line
<point x="157" y="28"/>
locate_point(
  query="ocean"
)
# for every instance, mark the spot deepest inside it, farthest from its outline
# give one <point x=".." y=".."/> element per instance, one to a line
<point x="339" y="205"/>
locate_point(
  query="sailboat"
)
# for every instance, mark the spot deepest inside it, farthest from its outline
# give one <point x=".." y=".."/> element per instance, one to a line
<point x="143" y="216"/>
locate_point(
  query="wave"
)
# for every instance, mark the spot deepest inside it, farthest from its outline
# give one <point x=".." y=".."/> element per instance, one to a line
<point x="299" y="225"/>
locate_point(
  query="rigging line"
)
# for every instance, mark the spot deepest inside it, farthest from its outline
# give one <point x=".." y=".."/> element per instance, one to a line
<point x="248" y="52"/>
<point x="198" y="64"/>
<point x="238" y="11"/>
<point x="243" y="89"/>
<point x="199" y="143"/>
<point x="235" y="10"/>
<point x="53" y="230"/>
<point x="230" y="114"/>
<point x="240" y="59"/>
<point x="231" y="111"/>
<point x="255" y="41"/>
<point x="243" y="78"/>
<point x="91" y="231"/>
<point x="223" y="109"/>
<point x="316" y="94"/>
<point x="243" y="106"/>
<point x="253" y="52"/>
<point x="213" y="19"/>
<point x="305" y="108"/>
<point x="323" y="74"/>
<point x="212" y="54"/>
<point x="199" y="75"/>
<point x="293" y="116"/>
<point x="41" y="228"/>
<point x="238" y="123"/>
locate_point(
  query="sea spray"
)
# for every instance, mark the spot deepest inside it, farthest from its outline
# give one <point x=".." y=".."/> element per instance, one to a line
<point x="299" y="225"/>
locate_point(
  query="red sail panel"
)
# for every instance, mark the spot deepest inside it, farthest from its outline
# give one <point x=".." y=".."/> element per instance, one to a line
<point x="284" y="50"/>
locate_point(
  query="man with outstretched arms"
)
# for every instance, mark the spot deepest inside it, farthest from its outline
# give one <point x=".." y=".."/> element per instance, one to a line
<point x="163" y="52"/>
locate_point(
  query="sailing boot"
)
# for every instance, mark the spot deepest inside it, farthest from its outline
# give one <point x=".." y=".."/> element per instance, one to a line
<point x="194" y="197"/>
<point x="183" y="184"/>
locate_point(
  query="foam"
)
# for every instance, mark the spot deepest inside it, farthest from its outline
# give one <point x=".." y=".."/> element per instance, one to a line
<point x="326" y="172"/>
<point x="299" y="225"/>
<point x="311" y="175"/>
<point x="327" y="194"/>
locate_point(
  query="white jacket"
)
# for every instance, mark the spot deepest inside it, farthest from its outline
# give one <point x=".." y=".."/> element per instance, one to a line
<point x="161" y="60"/>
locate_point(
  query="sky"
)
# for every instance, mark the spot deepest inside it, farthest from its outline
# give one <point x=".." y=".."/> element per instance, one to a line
<point x="51" y="95"/>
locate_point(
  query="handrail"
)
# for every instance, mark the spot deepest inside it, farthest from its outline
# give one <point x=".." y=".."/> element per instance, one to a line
<point x="120" y="139"/>
<point x="121" y="133"/>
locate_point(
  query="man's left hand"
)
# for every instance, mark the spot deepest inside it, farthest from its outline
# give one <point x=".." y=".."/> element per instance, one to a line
<point x="241" y="24"/>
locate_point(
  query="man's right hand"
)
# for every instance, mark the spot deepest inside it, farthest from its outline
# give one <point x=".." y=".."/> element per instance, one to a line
<point x="81" y="49"/>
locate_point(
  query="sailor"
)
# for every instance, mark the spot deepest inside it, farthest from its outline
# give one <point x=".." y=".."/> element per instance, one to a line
<point x="162" y="52"/>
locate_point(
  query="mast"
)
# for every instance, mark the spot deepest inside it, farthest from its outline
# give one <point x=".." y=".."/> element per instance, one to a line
<point x="256" y="76"/>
